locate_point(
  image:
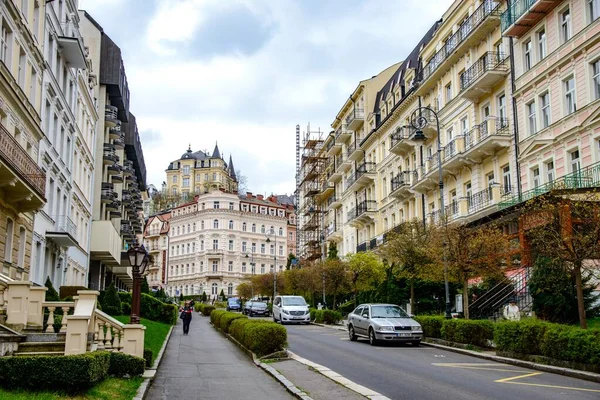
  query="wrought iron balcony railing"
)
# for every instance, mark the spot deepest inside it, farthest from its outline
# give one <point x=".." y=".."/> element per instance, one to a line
<point x="489" y="61"/>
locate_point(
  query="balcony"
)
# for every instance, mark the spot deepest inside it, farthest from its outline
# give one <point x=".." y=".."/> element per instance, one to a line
<point x="585" y="178"/>
<point x="363" y="175"/>
<point x="355" y="153"/>
<point x="111" y="116"/>
<point x="113" y="169"/>
<point x="522" y="15"/>
<point x="21" y="180"/>
<point x="400" y="140"/>
<point x="64" y="233"/>
<point x="334" y="202"/>
<point x="451" y="212"/>
<point x="71" y="45"/>
<point x="332" y="146"/>
<point x="483" y="75"/>
<point x="363" y="213"/>
<point x="469" y="34"/>
<point x="113" y="206"/>
<point x="150" y="233"/>
<point x="115" y="132"/>
<point x="109" y="156"/>
<point x="118" y="178"/>
<point x="105" y="242"/>
<point x="400" y="185"/>
<point x="486" y="138"/>
<point x="119" y="143"/>
<point x="355" y="119"/>
<point x="107" y="193"/>
<point x="326" y="190"/>
<point x="342" y="134"/>
<point x="115" y="214"/>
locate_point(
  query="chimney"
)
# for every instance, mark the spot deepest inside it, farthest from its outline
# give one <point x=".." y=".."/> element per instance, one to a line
<point x="248" y="195"/>
<point x="259" y="196"/>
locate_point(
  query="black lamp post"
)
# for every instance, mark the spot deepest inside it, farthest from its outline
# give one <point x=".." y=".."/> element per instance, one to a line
<point x="252" y="264"/>
<point x="419" y="121"/>
<point x="138" y="259"/>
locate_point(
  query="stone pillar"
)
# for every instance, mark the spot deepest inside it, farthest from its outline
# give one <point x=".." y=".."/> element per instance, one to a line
<point x="35" y="309"/>
<point x="463" y="207"/>
<point x="17" y="304"/>
<point x="86" y="304"/>
<point x="495" y="187"/>
<point x="77" y="334"/>
<point x="133" y="339"/>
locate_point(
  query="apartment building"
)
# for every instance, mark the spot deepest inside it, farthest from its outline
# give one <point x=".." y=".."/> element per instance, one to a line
<point x="221" y="239"/>
<point x="119" y="168"/>
<point x="156" y="241"/>
<point x="200" y="172"/>
<point x="62" y="227"/>
<point x="22" y="181"/>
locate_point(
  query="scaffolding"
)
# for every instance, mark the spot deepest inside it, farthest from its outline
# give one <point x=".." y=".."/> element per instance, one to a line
<point x="310" y="165"/>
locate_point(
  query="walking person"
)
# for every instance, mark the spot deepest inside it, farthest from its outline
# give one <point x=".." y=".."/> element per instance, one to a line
<point x="186" y="316"/>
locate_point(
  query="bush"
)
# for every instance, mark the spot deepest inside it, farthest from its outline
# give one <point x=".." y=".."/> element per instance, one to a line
<point x="51" y="293"/>
<point x="72" y="373"/>
<point x="207" y="310"/>
<point x="432" y="325"/>
<point x="122" y="364"/>
<point x="475" y="332"/>
<point x="111" y="301"/>
<point x="148" y="354"/>
<point x="325" y="316"/>
<point x="522" y="337"/>
<point x="264" y="338"/>
<point x="198" y="307"/>
<point x="226" y="320"/>
<point x="126" y="308"/>
<point x="569" y="343"/>
<point x="215" y="317"/>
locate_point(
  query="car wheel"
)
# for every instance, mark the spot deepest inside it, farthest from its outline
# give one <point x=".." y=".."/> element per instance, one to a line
<point x="351" y="334"/>
<point x="372" y="338"/>
<point x="250" y="314"/>
<point x="416" y="343"/>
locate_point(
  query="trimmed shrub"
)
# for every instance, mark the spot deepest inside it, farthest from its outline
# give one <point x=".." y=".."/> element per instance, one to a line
<point x="313" y="314"/>
<point x="72" y="373"/>
<point x="522" y="337"/>
<point x="122" y="364"/>
<point x="325" y="316"/>
<point x="215" y="317"/>
<point x="111" y="301"/>
<point x="226" y="320"/>
<point x="432" y="325"/>
<point x="148" y="355"/>
<point x="264" y="338"/>
<point x="198" y="307"/>
<point x="207" y="310"/>
<point x="569" y="343"/>
<point x="51" y="293"/>
<point x="475" y="332"/>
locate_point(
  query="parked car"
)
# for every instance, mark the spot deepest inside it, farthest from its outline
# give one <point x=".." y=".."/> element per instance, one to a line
<point x="252" y="308"/>
<point x="234" y="304"/>
<point x="383" y="322"/>
<point x="290" y="309"/>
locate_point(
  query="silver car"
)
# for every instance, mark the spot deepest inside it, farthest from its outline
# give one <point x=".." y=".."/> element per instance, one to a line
<point x="382" y="322"/>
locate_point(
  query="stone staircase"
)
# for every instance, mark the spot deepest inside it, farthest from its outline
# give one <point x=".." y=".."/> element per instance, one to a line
<point x="42" y="344"/>
<point x="9" y="340"/>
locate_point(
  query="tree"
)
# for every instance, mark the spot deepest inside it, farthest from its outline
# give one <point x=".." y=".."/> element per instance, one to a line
<point x="564" y="225"/>
<point x="332" y="251"/>
<point x="144" y="287"/>
<point x="408" y="252"/>
<point x="51" y="293"/>
<point x="471" y="252"/>
<point x="204" y="297"/>
<point x="244" y="290"/>
<point x="242" y="181"/>
<point x="365" y="270"/>
<point x="111" y="301"/>
<point x="163" y="201"/>
<point x="336" y="277"/>
<point x="554" y="293"/>
<point x="222" y="295"/>
<point x="290" y="259"/>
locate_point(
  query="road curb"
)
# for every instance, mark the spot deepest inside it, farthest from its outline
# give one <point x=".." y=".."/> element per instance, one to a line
<point x="334" y="376"/>
<point x="337" y="327"/>
<point x="572" y="373"/>
<point x="148" y="378"/>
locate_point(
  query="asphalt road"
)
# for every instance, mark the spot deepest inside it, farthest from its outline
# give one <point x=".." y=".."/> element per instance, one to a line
<point x="406" y="372"/>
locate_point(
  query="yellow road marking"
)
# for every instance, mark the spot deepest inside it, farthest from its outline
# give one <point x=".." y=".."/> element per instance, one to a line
<point x="518" y="377"/>
<point x="554" y="386"/>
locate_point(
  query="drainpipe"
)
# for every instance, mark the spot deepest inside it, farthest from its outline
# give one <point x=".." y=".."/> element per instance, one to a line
<point x="515" y="122"/>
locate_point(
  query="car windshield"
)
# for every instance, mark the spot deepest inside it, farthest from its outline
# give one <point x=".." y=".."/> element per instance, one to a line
<point x="259" y="305"/>
<point x="293" y="301"/>
<point x="234" y="301"/>
<point x="388" y="312"/>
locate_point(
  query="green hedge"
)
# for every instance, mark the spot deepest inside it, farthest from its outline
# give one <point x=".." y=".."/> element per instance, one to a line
<point x="122" y="364"/>
<point x="475" y="332"/>
<point x="148" y="354"/>
<point x="204" y="309"/>
<point x="325" y="316"/>
<point x="560" y="342"/>
<point x="153" y="309"/>
<point x="260" y="336"/>
<point x="432" y="325"/>
<point x="71" y="373"/>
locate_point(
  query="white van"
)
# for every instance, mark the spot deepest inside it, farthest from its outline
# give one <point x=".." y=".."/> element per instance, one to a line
<point x="290" y="309"/>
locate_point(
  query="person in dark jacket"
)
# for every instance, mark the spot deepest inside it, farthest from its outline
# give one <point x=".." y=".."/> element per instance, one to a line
<point x="186" y="316"/>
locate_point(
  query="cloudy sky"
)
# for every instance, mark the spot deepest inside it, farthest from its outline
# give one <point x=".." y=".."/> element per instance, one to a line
<point x="243" y="73"/>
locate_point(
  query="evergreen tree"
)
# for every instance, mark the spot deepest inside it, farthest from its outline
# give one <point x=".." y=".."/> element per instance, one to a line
<point x="51" y="294"/>
<point x="204" y="297"/>
<point x="332" y="251"/>
<point x="222" y="294"/>
<point x="145" y="288"/>
<point x="111" y="301"/>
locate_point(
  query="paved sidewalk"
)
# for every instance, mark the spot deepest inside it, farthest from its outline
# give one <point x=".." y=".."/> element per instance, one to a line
<point x="205" y="365"/>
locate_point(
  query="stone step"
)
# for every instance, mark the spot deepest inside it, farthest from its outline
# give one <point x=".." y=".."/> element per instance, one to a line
<point x="39" y="353"/>
<point x="35" y="347"/>
<point x="46" y="337"/>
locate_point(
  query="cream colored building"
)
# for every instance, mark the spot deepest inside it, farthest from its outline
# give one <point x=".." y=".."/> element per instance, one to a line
<point x="381" y="176"/>
<point x="216" y="240"/>
<point x="200" y="172"/>
<point x="156" y="242"/>
<point x="23" y="183"/>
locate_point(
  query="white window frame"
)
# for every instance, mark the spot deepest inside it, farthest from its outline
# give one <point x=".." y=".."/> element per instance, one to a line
<point x="596" y="78"/>
<point x="570" y="95"/>
<point x="531" y="118"/>
<point x="565" y="25"/>
<point x="527" y="55"/>
<point x="550" y="172"/>
<point x="542" y="41"/>
<point x="545" y="115"/>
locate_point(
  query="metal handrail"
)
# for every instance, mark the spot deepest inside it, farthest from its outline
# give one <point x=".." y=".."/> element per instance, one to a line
<point x="489" y="61"/>
<point x="515" y="10"/>
<point x="479" y="200"/>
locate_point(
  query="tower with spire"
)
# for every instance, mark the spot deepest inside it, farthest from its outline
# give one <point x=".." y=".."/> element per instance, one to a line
<point x="196" y="172"/>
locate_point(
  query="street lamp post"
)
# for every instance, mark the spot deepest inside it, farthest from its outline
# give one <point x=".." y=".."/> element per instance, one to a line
<point x="252" y="264"/>
<point x="138" y="259"/>
<point x="419" y="121"/>
<point x="269" y="235"/>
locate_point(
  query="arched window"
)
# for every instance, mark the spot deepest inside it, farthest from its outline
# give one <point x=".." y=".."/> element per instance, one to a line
<point x="272" y="230"/>
<point x="230" y="224"/>
<point x="188" y="231"/>
<point x="188" y="249"/>
<point x="254" y="228"/>
<point x="201" y="224"/>
<point x="230" y="289"/>
<point x="280" y="231"/>
<point x="194" y="227"/>
<point x="193" y="247"/>
<point x="214" y="289"/>
<point x="262" y="229"/>
<point x="244" y="227"/>
<point x="216" y="224"/>
<point x="178" y="231"/>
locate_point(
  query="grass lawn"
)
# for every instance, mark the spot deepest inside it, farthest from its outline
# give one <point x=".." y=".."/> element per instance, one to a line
<point x="109" y="389"/>
<point x="155" y="334"/>
<point x="594" y="323"/>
